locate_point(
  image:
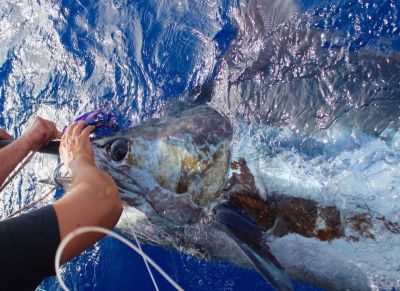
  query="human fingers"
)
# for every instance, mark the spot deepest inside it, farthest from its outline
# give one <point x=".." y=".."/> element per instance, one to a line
<point x="37" y="132"/>
<point x="54" y="132"/>
<point x="79" y="127"/>
<point x="67" y="133"/>
<point x="87" y="130"/>
<point x="71" y="128"/>
<point x="51" y="131"/>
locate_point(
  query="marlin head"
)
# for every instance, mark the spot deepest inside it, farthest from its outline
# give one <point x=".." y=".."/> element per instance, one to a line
<point x="185" y="157"/>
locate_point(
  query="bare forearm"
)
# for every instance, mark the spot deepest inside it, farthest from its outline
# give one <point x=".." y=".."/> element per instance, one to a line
<point x="11" y="156"/>
<point x="38" y="132"/>
<point x="93" y="198"/>
<point x="92" y="201"/>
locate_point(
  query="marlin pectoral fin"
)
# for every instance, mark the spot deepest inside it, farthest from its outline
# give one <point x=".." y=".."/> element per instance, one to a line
<point x="247" y="235"/>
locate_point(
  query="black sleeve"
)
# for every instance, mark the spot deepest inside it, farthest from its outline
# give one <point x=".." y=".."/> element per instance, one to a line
<point x="28" y="244"/>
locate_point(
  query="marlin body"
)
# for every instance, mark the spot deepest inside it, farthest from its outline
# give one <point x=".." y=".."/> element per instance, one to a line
<point x="182" y="190"/>
<point x="171" y="174"/>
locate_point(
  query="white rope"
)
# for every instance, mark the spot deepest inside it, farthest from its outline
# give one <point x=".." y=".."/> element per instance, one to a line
<point x="87" y="229"/>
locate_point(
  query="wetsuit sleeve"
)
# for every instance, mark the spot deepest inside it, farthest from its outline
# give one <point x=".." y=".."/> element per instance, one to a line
<point x="28" y="244"/>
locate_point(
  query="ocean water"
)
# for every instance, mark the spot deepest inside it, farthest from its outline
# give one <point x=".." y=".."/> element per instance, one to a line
<point x="311" y="88"/>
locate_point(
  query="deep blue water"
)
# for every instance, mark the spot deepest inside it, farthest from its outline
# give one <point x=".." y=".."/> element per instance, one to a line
<point x="135" y="58"/>
<point x="112" y="266"/>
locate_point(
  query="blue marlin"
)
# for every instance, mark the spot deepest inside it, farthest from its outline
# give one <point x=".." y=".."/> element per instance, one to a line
<point x="182" y="189"/>
<point x="171" y="173"/>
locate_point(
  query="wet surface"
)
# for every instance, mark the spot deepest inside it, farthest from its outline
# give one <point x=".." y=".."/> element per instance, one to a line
<point x="310" y="88"/>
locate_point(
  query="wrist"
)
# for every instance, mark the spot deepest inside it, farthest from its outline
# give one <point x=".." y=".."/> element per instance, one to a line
<point x="26" y="142"/>
<point x="79" y="162"/>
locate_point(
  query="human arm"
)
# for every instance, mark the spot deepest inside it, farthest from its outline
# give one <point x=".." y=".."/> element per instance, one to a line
<point x="92" y="199"/>
<point x="38" y="132"/>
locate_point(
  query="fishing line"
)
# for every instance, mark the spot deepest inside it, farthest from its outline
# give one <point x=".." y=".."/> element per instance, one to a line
<point x="142" y="254"/>
<point x="16" y="171"/>
<point x="13" y="175"/>
<point x="30" y="205"/>
<point x="117" y="236"/>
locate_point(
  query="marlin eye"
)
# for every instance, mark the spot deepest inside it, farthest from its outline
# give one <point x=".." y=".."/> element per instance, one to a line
<point x="119" y="149"/>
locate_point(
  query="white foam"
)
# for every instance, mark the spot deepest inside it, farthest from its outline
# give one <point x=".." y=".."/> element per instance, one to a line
<point x="356" y="178"/>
